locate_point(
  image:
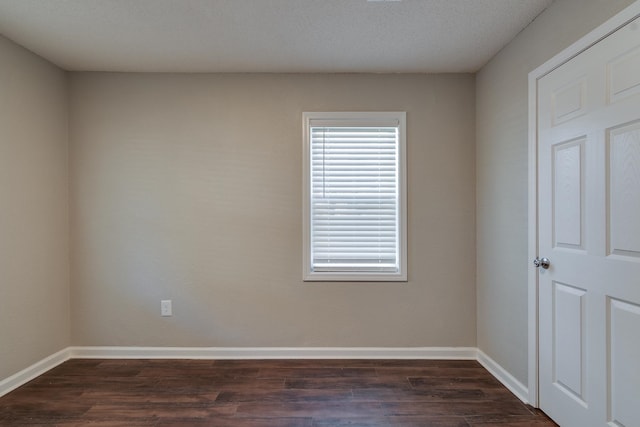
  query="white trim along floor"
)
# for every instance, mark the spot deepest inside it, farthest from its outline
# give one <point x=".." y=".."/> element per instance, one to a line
<point x="450" y="353"/>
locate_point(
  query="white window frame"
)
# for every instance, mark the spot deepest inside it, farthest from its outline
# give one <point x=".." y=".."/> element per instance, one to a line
<point x="387" y="119"/>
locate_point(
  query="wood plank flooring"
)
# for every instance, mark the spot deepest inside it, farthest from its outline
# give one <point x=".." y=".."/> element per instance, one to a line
<point x="267" y="393"/>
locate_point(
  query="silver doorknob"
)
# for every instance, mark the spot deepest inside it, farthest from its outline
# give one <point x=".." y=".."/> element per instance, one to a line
<point x="542" y="262"/>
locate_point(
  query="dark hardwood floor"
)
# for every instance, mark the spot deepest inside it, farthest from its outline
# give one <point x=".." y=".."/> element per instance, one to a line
<point x="269" y="393"/>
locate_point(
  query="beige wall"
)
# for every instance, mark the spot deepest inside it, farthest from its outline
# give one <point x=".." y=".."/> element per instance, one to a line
<point x="501" y="164"/>
<point x="34" y="267"/>
<point x="188" y="187"/>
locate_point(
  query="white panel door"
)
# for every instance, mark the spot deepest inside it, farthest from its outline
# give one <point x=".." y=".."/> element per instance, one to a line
<point x="589" y="229"/>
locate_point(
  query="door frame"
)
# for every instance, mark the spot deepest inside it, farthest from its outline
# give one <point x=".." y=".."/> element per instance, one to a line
<point x="619" y="20"/>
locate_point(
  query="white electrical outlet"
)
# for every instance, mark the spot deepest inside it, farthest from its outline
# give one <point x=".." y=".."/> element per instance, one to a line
<point x="165" y="308"/>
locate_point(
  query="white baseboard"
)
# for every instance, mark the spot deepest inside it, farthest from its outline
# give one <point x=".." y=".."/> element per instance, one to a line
<point x="451" y="353"/>
<point x="508" y="380"/>
<point x="16" y="380"/>
<point x="462" y="353"/>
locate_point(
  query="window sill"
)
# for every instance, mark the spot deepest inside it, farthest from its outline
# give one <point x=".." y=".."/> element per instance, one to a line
<point x="354" y="277"/>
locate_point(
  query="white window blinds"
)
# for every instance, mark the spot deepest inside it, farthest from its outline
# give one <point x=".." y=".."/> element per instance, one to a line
<point x="354" y="211"/>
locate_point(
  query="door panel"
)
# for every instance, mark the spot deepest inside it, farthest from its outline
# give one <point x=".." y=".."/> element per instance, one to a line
<point x="589" y="227"/>
<point x="624" y="345"/>
<point x="623" y="75"/>
<point x="623" y="195"/>
<point x="569" y="102"/>
<point x="569" y="330"/>
<point x="568" y="194"/>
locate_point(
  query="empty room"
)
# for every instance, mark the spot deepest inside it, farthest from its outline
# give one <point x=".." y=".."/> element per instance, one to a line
<point x="320" y="213"/>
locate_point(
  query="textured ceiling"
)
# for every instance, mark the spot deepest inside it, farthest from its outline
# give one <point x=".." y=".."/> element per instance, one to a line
<point x="267" y="35"/>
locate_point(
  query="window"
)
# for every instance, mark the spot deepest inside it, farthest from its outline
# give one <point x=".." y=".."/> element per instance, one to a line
<point x="354" y="197"/>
